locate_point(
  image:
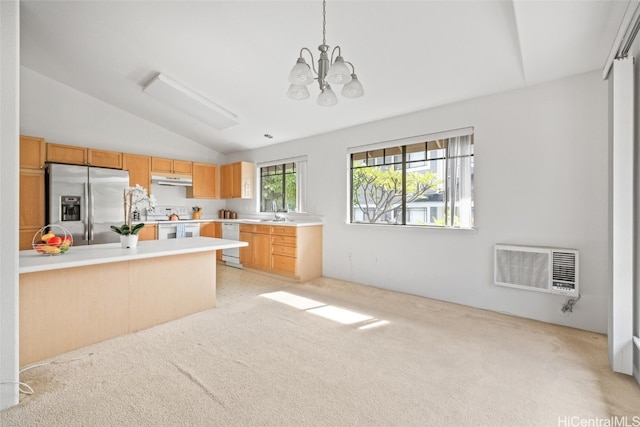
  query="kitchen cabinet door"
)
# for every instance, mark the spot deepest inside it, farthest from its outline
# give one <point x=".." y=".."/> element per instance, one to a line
<point x="262" y="251"/>
<point x="104" y="159"/>
<point x="139" y="168"/>
<point x="32" y="213"/>
<point x="31" y="210"/>
<point x="205" y="182"/>
<point x="246" y="252"/>
<point x="33" y="152"/>
<point x="226" y="181"/>
<point x="236" y="180"/>
<point x="212" y="229"/>
<point x="182" y="167"/>
<point x="26" y="238"/>
<point x="148" y="232"/>
<point x="68" y="154"/>
<point x="162" y="165"/>
<point x="159" y="164"/>
<point x="207" y="229"/>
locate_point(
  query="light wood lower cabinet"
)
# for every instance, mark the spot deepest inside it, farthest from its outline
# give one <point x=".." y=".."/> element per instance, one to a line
<point x="258" y="253"/>
<point x="212" y="229"/>
<point x="290" y="251"/>
<point x="148" y="232"/>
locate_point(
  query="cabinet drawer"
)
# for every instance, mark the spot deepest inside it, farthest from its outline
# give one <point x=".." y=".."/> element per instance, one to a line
<point x="284" y="250"/>
<point x="247" y="228"/>
<point x="263" y="229"/>
<point x="284" y="264"/>
<point x="284" y="240"/>
<point x="287" y="231"/>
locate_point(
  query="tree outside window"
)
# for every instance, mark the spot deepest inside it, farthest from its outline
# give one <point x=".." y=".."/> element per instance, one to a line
<point x="425" y="183"/>
<point x="278" y="188"/>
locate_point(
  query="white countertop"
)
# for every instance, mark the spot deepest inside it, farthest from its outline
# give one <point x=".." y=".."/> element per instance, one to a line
<point x="288" y="223"/>
<point x="30" y="261"/>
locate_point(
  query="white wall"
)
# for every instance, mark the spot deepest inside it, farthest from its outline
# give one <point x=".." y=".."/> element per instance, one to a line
<point x="541" y="178"/>
<point x="64" y="115"/>
<point x="9" y="153"/>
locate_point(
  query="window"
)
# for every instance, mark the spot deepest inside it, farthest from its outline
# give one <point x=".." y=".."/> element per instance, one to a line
<point x="281" y="186"/>
<point x="425" y="181"/>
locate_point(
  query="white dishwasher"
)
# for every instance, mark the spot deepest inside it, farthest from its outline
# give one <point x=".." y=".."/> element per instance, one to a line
<point x="231" y="231"/>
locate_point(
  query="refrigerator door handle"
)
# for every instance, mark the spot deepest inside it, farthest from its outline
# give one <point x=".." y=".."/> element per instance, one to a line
<point x="91" y="207"/>
<point x="86" y="204"/>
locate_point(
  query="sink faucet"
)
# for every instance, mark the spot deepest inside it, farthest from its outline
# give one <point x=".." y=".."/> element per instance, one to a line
<point x="275" y="212"/>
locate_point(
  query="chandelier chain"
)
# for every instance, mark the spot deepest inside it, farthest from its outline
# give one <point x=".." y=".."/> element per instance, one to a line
<point x="324" y="22"/>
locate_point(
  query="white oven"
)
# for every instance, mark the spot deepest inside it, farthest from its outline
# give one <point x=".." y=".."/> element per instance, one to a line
<point x="177" y="230"/>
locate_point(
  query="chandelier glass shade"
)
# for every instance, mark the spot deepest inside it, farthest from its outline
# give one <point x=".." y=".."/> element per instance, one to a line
<point x="329" y="72"/>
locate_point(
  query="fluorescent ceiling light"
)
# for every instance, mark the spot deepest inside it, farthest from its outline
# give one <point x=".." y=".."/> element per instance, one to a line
<point x="177" y="95"/>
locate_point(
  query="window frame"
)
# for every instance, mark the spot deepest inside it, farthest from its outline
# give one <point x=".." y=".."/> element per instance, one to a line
<point x="403" y="144"/>
<point x="300" y="163"/>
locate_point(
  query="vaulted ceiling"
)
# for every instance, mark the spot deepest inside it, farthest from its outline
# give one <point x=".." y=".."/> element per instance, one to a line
<point x="409" y="55"/>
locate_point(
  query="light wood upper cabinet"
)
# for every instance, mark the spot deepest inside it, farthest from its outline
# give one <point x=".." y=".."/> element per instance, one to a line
<point x="33" y="152"/>
<point x="162" y="165"/>
<point x="105" y="159"/>
<point x="69" y="154"/>
<point x="236" y="180"/>
<point x="139" y="168"/>
<point x="58" y="153"/>
<point x="205" y="182"/>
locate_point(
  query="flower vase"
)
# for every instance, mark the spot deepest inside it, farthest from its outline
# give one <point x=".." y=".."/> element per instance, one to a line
<point x="129" y="240"/>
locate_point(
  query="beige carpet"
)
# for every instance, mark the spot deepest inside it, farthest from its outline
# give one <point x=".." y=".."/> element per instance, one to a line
<point x="257" y="361"/>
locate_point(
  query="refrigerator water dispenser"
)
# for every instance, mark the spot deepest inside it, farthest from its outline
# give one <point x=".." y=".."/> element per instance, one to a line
<point x="70" y="208"/>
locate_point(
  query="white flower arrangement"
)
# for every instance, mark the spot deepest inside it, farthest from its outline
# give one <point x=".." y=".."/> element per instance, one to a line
<point x="134" y="198"/>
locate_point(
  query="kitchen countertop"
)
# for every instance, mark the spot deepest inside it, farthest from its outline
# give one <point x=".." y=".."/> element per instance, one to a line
<point x="288" y="223"/>
<point x="30" y="261"/>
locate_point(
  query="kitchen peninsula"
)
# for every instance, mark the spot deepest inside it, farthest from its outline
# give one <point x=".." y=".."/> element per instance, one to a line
<point x="97" y="292"/>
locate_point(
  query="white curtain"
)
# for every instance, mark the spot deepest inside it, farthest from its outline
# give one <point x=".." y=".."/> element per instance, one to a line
<point x="459" y="188"/>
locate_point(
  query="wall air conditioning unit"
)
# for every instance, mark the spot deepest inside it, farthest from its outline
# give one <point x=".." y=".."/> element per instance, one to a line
<point x="535" y="268"/>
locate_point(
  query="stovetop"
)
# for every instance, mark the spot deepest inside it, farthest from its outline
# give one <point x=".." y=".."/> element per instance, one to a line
<point x="161" y="213"/>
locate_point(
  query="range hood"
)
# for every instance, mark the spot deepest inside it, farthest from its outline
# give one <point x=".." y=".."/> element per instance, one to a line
<point x="178" y="181"/>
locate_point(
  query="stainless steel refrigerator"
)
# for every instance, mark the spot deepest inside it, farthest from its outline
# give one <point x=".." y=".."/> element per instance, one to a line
<point x="86" y="201"/>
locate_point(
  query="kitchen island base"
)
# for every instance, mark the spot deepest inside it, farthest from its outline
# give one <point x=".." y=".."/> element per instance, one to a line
<point x="66" y="309"/>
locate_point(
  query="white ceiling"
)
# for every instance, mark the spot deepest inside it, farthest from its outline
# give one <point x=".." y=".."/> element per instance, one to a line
<point x="409" y="55"/>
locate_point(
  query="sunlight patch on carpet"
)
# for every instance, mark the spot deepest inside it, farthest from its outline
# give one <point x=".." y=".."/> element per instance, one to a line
<point x="340" y="315"/>
<point x="296" y="301"/>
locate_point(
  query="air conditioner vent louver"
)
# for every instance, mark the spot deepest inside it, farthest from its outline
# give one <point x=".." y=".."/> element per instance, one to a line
<point x="537" y="268"/>
<point x="564" y="266"/>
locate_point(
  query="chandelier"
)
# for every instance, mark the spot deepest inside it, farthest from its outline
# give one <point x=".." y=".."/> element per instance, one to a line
<point x="329" y="72"/>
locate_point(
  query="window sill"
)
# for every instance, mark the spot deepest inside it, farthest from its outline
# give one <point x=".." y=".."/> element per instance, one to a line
<point x="413" y="227"/>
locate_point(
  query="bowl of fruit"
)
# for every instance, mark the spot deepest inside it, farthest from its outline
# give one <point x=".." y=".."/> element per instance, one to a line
<point x="52" y="240"/>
